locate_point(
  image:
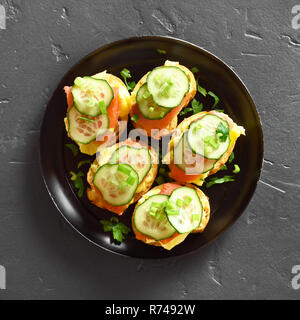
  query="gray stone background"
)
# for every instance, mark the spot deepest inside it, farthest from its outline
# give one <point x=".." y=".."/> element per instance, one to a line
<point x="46" y="259"/>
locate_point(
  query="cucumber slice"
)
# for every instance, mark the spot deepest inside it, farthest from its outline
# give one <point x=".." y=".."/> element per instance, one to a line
<point x="149" y="109"/>
<point x="138" y="158"/>
<point x="85" y="131"/>
<point x="168" y="85"/>
<point x="149" y="225"/>
<point x="189" y="212"/>
<point x="188" y="161"/>
<point x="117" y="183"/>
<point x="204" y="139"/>
<point x="88" y="92"/>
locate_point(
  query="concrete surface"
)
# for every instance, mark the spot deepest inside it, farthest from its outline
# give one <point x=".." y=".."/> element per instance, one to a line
<point x="43" y="257"/>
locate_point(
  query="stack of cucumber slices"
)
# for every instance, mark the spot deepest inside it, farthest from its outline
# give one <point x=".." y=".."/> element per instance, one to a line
<point x="87" y="118"/>
<point x="118" y="180"/>
<point x="160" y="215"/>
<point x="164" y="90"/>
<point x="202" y="145"/>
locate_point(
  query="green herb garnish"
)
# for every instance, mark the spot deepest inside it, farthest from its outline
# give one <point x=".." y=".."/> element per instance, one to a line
<point x="170" y="205"/>
<point x="161" y="51"/>
<point x="125" y="73"/>
<point x="196" y="106"/>
<point x="157" y="210"/>
<point x="160" y="216"/>
<point x="201" y="90"/>
<point x="156" y="204"/>
<point x="130" y="180"/>
<point x="78" y="182"/>
<point x="187" y="201"/>
<point x="223" y="168"/>
<point x="231" y="157"/>
<point x="211" y="141"/>
<point x="172" y="212"/>
<point x="102" y="107"/>
<point x="195" y="70"/>
<point x="222" y="132"/>
<point x="217" y="180"/>
<point x="81" y="163"/>
<point x="123" y="169"/>
<point x="185" y="111"/>
<point x="131" y="85"/>
<point x="86" y="119"/>
<point x="118" y="229"/>
<point x="135" y="117"/>
<point x="179" y="203"/>
<point x="236" y="169"/>
<point x="73" y="148"/>
<point x="215" y="97"/>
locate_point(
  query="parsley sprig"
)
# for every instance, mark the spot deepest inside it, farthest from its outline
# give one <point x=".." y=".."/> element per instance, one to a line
<point x="197" y="107"/>
<point x="125" y="73"/>
<point x="215" y="98"/>
<point x="195" y="70"/>
<point x="78" y="182"/>
<point x="73" y="148"/>
<point x="222" y="132"/>
<point x="161" y="51"/>
<point x="81" y="163"/>
<point x="118" y="229"/>
<point x="231" y="157"/>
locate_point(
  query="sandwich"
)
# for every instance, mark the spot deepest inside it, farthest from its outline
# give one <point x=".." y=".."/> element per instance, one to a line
<point x="168" y="213"/>
<point x="159" y="96"/>
<point x="201" y="145"/>
<point x="95" y="106"/>
<point x="121" y="175"/>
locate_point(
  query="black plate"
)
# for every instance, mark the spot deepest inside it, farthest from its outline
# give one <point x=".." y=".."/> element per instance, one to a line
<point x="140" y="55"/>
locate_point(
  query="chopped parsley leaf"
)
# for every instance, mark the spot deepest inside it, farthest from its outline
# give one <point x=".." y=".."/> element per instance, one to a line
<point x="73" y="147"/>
<point x="222" y="132"/>
<point x="78" y="182"/>
<point x="161" y="51"/>
<point x="215" y="97"/>
<point x="118" y="229"/>
<point x="125" y="73"/>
